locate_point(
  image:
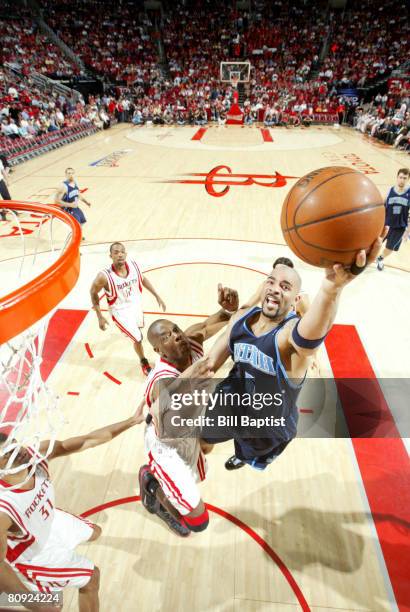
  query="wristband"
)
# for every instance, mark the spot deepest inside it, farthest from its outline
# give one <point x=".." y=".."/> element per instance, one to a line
<point x="303" y="342"/>
<point x="355" y="269"/>
<point x="229" y="312"/>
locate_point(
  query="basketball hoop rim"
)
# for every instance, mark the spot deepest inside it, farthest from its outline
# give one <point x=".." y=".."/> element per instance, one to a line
<point x="31" y="302"/>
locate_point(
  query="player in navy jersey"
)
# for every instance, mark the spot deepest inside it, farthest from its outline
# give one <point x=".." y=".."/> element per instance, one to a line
<point x="271" y="346"/>
<point x="68" y="196"/>
<point x="397" y="215"/>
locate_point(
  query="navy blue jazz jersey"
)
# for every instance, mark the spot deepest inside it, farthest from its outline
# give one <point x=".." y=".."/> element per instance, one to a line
<point x="72" y="193"/>
<point x="257" y="360"/>
<point x="397" y="209"/>
<point x="259" y="368"/>
<point x="71" y="196"/>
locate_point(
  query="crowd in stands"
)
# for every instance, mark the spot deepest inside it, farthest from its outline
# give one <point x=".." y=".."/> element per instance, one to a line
<point x="26" y="48"/>
<point x="387" y="118"/>
<point x="371" y="40"/>
<point x="288" y="85"/>
<point x="111" y="39"/>
<point x="26" y="112"/>
<point x="282" y="60"/>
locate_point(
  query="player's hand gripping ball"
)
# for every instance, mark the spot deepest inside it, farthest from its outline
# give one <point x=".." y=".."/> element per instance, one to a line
<point x="330" y="214"/>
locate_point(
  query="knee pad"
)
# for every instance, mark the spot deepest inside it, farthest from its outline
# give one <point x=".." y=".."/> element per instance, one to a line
<point x="197" y="523"/>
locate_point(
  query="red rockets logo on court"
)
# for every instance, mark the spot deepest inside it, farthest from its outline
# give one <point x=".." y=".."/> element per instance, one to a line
<point x="219" y="180"/>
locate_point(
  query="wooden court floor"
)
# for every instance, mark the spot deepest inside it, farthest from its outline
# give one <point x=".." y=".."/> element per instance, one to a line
<point x="326" y="526"/>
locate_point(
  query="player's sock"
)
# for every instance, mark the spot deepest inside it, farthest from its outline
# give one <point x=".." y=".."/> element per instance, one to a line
<point x="380" y="263"/>
<point x="234" y="463"/>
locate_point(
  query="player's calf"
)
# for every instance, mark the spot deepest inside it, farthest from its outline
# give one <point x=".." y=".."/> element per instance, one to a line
<point x="88" y="594"/>
<point x="97" y="531"/>
<point x="206" y="447"/>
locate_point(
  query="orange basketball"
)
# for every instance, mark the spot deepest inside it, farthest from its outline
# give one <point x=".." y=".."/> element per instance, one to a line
<point x="330" y="214"/>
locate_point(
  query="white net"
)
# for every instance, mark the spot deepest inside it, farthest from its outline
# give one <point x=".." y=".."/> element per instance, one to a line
<point x="29" y="413"/>
<point x="29" y="408"/>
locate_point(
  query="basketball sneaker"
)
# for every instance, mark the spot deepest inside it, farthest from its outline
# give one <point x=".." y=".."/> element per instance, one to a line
<point x="172" y="523"/>
<point x="380" y="263"/>
<point x="148" y="484"/>
<point x="145" y="367"/>
<point x="233" y="463"/>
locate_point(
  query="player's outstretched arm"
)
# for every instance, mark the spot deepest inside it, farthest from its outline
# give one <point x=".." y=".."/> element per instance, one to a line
<point x="307" y="335"/>
<point x="94" y="438"/>
<point x="149" y="286"/>
<point x="229" y="301"/>
<point x="139" y="415"/>
<point x="100" y="282"/>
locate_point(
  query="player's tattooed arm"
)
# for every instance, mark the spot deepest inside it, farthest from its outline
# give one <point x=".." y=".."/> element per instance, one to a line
<point x="99" y="283"/>
<point x="229" y="301"/>
<point x="90" y="440"/>
<point x="9" y="581"/>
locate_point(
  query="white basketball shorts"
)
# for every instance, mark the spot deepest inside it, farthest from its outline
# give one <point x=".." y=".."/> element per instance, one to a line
<point x="58" y="566"/>
<point x="177" y="479"/>
<point x="129" y="321"/>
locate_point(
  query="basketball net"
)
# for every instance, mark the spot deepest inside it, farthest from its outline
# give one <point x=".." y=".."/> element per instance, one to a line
<point x="30" y="413"/>
<point x="29" y="408"/>
<point x="234" y="82"/>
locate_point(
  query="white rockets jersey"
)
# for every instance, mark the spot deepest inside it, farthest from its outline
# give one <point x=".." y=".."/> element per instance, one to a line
<point x="188" y="449"/>
<point x="124" y="292"/>
<point x="164" y="369"/>
<point x="32" y="512"/>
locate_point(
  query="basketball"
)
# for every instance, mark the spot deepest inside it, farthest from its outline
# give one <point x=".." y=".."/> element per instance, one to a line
<point x="330" y="214"/>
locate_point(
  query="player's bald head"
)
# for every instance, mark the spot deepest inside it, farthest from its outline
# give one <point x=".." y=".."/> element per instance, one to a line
<point x="170" y="342"/>
<point x="290" y="274"/>
<point x="155" y="330"/>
